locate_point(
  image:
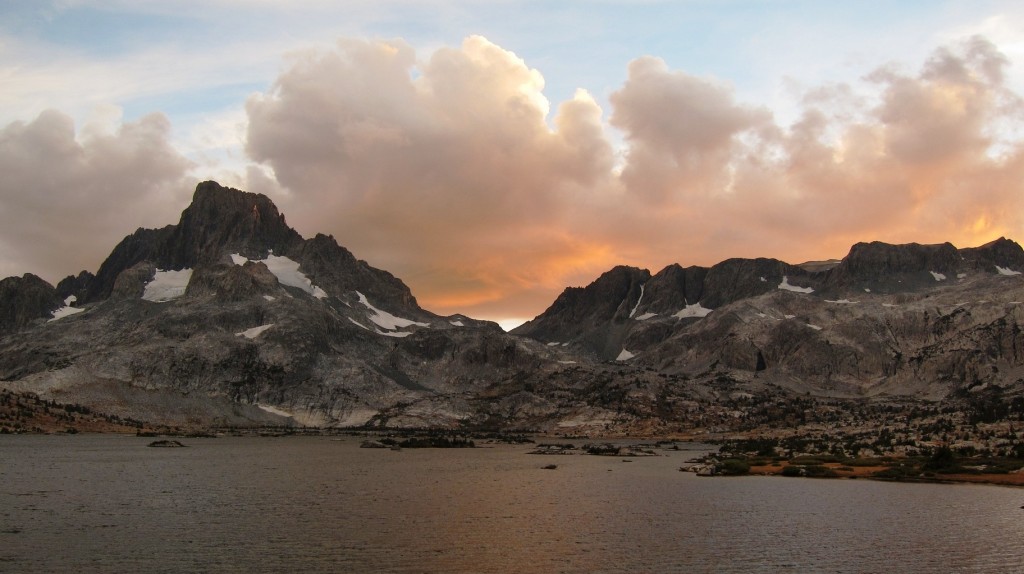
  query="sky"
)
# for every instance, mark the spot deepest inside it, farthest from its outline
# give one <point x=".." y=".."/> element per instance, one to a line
<point x="492" y="153"/>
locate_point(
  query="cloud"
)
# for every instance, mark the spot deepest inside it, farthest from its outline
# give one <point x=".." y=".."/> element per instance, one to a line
<point x="67" y="199"/>
<point x="452" y="169"/>
<point x="899" y="157"/>
<point x="682" y="131"/>
<point x="452" y="172"/>
<point x="444" y="171"/>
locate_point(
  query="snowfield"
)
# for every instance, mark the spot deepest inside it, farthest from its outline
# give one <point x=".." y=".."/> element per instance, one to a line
<point x="66" y="310"/>
<point x="625" y="356"/>
<point x="695" y="310"/>
<point x="286" y="271"/>
<point x="1006" y="271"/>
<point x="386" y="320"/>
<point x="167" y="285"/>
<point x="274" y="410"/>
<point x="637" y="306"/>
<point x="254" y="332"/>
<point x="785" y="286"/>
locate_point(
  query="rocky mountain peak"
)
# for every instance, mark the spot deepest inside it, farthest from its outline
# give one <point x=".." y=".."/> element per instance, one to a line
<point x="219" y="221"/>
<point x="224" y="219"/>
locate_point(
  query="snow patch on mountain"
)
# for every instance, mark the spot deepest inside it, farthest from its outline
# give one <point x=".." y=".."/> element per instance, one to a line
<point x="938" y="276"/>
<point x="695" y="310"/>
<point x="815" y="327"/>
<point x="167" y="285"/>
<point x="275" y="411"/>
<point x="785" y="286"/>
<point x="841" y="302"/>
<point x="1006" y="271"/>
<point x="386" y="320"/>
<point x="67" y="309"/>
<point x="286" y="271"/>
<point x="457" y="323"/>
<point x="637" y="306"/>
<point x="646" y="316"/>
<point x="254" y="332"/>
<point x="625" y="356"/>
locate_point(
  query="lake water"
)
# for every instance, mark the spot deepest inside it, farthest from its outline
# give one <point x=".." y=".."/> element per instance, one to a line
<point x="109" y="504"/>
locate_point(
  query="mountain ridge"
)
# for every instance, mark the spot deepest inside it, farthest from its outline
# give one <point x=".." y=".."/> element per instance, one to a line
<point x="230" y="317"/>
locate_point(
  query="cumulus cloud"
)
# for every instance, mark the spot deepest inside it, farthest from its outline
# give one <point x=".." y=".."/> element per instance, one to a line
<point x="682" y="131"/>
<point x="66" y="199"/>
<point x="444" y="171"/>
<point x="452" y="172"/>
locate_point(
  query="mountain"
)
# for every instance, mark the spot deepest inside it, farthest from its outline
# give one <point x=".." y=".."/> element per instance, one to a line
<point x="229" y="317"/>
<point x="919" y="320"/>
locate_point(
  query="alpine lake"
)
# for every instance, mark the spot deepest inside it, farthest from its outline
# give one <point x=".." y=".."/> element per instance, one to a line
<point x="107" y="503"/>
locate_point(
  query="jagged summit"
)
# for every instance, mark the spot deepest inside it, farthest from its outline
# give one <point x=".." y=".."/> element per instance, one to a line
<point x="219" y="220"/>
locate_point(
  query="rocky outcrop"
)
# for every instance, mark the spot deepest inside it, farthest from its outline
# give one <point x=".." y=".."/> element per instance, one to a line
<point x="25" y="300"/>
<point x="75" y="286"/>
<point x="230" y="282"/>
<point x="884" y="268"/>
